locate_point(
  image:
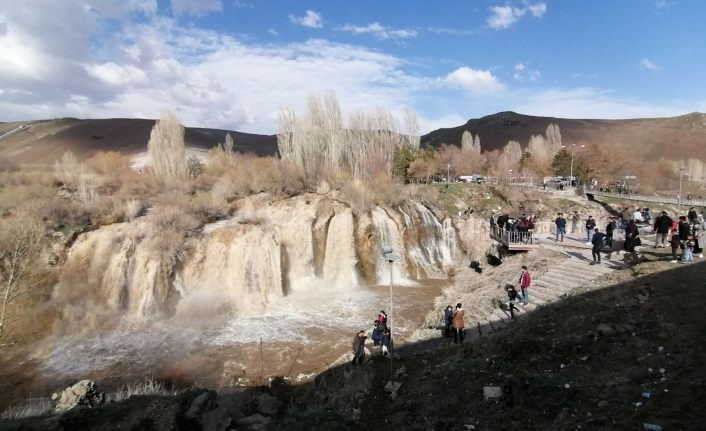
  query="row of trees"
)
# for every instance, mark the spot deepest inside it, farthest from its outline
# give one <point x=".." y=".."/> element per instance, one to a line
<point x="366" y="145"/>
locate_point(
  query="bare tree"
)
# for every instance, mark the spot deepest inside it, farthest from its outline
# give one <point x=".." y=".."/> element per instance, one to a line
<point x="411" y="124"/>
<point x="228" y="144"/>
<point x="67" y="170"/>
<point x="21" y="244"/>
<point x="467" y="140"/>
<point x="476" y="144"/>
<point x="166" y="148"/>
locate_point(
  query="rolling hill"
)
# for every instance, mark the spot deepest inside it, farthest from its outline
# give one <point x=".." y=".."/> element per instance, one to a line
<point x="681" y="137"/>
<point x="43" y="142"/>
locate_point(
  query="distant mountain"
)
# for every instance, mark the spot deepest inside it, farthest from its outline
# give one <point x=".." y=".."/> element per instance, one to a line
<point x="679" y="137"/>
<point x="42" y="142"/>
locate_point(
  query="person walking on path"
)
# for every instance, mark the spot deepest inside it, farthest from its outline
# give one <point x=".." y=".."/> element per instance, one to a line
<point x="598" y="244"/>
<point x="575" y="222"/>
<point x="590" y="225"/>
<point x="458" y="324"/>
<point x="512" y="299"/>
<point x="691" y="215"/>
<point x="662" y="225"/>
<point x="525" y="281"/>
<point x="560" y="227"/>
<point x="359" y="347"/>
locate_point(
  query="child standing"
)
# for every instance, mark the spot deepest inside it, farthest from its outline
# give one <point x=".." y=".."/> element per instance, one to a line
<point x="674" y="243"/>
<point x="689" y="250"/>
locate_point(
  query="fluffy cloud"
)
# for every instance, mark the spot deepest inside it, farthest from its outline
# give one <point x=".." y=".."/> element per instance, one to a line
<point x="310" y="19"/>
<point x="649" y="65"/>
<point x="196" y="7"/>
<point x="505" y="16"/>
<point x="210" y="79"/>
<point x="379" y="31"/>
<point x="473" y="80"/>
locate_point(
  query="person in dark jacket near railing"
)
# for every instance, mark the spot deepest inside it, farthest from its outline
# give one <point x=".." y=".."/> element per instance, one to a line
<point x="662" y="225"/>
<point x="609" y="228"/>
<point x="560" y="223"/>
<point x="590" y="225"/>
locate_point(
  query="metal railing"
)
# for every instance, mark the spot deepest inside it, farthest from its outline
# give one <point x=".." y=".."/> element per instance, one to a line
<point x="513" y="237"/>
<point x="646" y="198"/>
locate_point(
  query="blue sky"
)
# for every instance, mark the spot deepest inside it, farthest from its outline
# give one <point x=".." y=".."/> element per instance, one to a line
<point x="233" y="63"/>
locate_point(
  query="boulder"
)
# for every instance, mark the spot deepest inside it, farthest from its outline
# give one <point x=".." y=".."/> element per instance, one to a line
<point x="84" y="393"/>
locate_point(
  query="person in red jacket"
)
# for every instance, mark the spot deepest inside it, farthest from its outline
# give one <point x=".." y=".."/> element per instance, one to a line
<point x="525" y="281"/>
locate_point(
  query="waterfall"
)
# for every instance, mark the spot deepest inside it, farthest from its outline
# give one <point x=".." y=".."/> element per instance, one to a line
<point x="241" y="266"/>
<point x="340" y="261"/>
<point x="387" y="234"/>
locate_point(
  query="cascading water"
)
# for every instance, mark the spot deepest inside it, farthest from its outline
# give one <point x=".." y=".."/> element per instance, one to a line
<point x="388" y="235"/>
<point x="253" y="276"/>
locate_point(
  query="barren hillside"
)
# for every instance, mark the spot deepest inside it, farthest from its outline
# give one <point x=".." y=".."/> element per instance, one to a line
<point x="672" y="138"/>
<point x="42" y="142"/>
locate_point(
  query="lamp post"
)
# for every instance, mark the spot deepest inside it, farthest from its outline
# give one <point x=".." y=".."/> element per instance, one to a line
<point x="448" y="173"/>
<point x="681" y="174"/>
<point x="389" y="255"/>
<point x="509" y="176"/>
<point x="571" y="169"/>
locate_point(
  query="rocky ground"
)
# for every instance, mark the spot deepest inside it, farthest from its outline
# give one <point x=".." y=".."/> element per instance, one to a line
<point x="581" y="363"/>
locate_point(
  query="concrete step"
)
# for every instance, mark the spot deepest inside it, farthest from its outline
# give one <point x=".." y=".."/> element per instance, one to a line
<point x="556" y="286"/>
<point x="542" y="292"/>
<point x="559" y="276"/>
<point x="574" y="271"/>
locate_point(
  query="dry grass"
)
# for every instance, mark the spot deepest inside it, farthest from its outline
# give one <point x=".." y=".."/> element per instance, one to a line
<point x="148" y="387"/>
<point x="32" y="407"/>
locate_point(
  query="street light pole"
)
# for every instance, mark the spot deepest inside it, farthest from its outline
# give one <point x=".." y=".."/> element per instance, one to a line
<point x="571" y="171"/>
<point x="389" y="255"/>
<point x="448" y="173"/>
<point x="681" y="174"/>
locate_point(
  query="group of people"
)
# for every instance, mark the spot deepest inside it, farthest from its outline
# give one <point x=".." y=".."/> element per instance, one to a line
<point x="381" y="336"/>
<point x="683" y="235"/>
<point x="524" y="223"/>
<point x="454" y="323"/>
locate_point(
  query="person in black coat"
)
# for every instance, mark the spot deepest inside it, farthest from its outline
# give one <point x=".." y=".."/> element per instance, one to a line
<point x="662" y="225"/>
<point x="609" y="232"/>
<point x="684" y="232"/>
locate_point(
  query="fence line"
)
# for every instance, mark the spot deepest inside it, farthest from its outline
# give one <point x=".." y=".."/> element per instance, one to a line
<point x="645" y="198"/>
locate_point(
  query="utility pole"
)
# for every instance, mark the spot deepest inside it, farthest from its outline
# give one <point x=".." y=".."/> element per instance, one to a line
<point x="679" y="199"/>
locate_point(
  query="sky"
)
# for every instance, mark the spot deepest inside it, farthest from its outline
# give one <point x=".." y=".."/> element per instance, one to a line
<point x="233" y="64"/>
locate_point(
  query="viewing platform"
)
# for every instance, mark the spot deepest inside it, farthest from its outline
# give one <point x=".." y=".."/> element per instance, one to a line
<point x="514" y="240"/>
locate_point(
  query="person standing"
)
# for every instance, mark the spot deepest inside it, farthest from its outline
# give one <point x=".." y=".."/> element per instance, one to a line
<point x="525" y="281"/>
<point x="597" y="241"/>
<point x="632" y="236"/>
<point x="662" y="225"/>
<point x="575" y="222"/>
<point x="590" y="225"/>
<point x="359" y="347"/>
<point x="458" y="324"/>
<point x="560" y="227"/>
<point x="448" y="319"/>
<point x="684" y="233"/>
<point x="382" y="318"/>
<point x="609" y="228"/>
<point x="692" y="215"/>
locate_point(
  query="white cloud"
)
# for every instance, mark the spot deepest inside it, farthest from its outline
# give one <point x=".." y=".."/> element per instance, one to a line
<point x="196" y="7"/>
<point x="241" y="4"/>
<point x="473" y="80"/>
<point x="379" y="31"/>
<point x="310" y="19"/>
<point x="649" y="65"/>
<point x="590" y="103"/>
<point x="114" y="74"/>
<point x="272" y="31"/>
<point x="505" y="16"/>
<point x="663" y="4"/>
<point x="451" y="31"/>
<point x="523" y="72"/>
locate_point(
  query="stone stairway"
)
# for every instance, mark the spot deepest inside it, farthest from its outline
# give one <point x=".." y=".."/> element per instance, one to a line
<point x="552" y="286"/>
